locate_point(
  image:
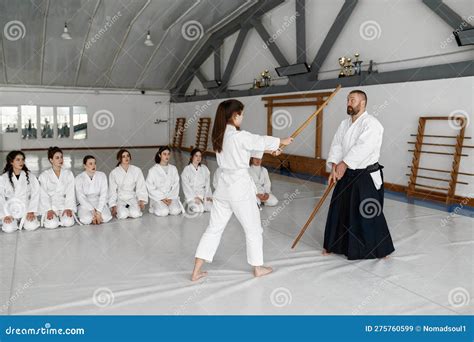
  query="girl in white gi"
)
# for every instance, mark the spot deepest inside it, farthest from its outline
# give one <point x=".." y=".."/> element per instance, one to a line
<point x="127" y="188"/>
<point x="19" y="195"/>
<point x="235" y="193"/>
<point x="91" y="193"/>
<point x="196" y="180"/>
<point x="162" y="183"/>
<point x="58" y="198"/>
<point x="262" y="182"/>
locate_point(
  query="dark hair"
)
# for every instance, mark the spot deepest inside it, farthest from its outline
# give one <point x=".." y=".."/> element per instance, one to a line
<point x="360" y="92"/>
<point x="9" y="167"/>
<point x="158" y="154"/>
<point x="193" y="152"/>
<point x="223" y="115"/>
<point x="86" y="158"/>
<point x="52" y="151"/>
<point x="119" y="155"/>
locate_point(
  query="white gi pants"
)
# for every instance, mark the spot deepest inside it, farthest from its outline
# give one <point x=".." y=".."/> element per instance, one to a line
<point x="161" y="209"/>
<point x="17" y="224"/>
<point x="132" y="211"/>
<point x="248" y="215"/>
<point x="86" y="216"/>
<point x="59" y="219"/>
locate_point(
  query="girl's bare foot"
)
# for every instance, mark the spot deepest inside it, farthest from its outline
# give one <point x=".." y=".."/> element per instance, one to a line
<point x="198" y="275"/>
<point x="260" y="271"/>
<point x="325" y="252"/>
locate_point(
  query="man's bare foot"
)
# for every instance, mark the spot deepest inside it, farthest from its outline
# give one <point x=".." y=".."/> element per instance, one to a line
<point x="325" y="252"/>
<point x="260" y="271"/>
<point x="198" y="275"/>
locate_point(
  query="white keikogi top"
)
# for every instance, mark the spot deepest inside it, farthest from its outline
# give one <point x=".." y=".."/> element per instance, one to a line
<point x="358" y="144"/>
<point x="235" y="183"/>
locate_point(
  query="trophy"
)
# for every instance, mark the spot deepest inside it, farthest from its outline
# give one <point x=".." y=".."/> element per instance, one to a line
<point x="357" y="64"/>
<point x="342" y="62"/>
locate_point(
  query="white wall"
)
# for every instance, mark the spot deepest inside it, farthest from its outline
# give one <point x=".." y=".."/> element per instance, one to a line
<point x="398" y="107"/>
<point x="132" y="113"/>
<point x="385" y="31"/>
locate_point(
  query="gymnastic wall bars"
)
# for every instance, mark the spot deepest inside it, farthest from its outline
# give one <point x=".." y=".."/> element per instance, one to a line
<point x="416" y="189"/>
<point x="320" y="100"/>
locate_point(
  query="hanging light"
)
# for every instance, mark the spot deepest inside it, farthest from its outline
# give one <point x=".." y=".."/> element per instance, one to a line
<point x="148" y="41"/>
<point x="65" y="35"/>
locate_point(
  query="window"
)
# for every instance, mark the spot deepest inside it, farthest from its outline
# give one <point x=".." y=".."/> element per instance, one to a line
<point x="79" y="120"/>
<point x="9" y="119"/>
<point x="28" y="122"/>
<point x="47" y="122"/>
<point x="44" y="122"/>
<point x="64" y="122"/>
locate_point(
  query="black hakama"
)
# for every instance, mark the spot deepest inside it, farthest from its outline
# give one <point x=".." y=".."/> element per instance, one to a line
<point x="356" y="226"/>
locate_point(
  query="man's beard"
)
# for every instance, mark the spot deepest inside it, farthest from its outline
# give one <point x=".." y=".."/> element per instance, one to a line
<point x="353" y="111"/>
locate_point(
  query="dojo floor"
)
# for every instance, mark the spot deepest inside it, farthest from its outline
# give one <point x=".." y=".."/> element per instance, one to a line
<point x="143" y="266"/>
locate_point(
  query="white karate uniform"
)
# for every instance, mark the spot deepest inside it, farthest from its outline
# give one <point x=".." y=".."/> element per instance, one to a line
<point x="57" y="194"/>
<point x="162" y="183"/>
<point x="92" y="194"/>
<point x="235" y="194"/>
<point x="126" y="188"/>
<point x="19" y="200"/>
<point x="197" y="183"/>
<point x="262" y="182"/>
<point x="358" y="145"/>
<point x="215" y="178"/>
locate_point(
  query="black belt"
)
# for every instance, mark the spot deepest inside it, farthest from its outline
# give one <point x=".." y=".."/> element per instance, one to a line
<point x="374" y="167"/>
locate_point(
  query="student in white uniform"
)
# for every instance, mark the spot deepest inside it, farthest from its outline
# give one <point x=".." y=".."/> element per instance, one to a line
<point x="127" y="188"/>
<point x="58" y="198"/>
<point x="235" y="193"/>
<point x="356" y="226"/>
<point x="196" y="180"/>
<point x="19" y="195"/>
<point x="162" y="183"/>
<point x="91" y="193"/>
<point x="262" y="181"/>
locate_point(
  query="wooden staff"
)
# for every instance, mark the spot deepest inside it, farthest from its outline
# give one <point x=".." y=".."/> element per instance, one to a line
<point x="313" y="214"/>
<point x="315" y="114"/>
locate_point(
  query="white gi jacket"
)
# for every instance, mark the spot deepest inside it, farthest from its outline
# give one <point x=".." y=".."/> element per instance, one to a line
<point x="92" y="193"/>
<point x="23" y="198"/>
<point x="358" y="144"/>
<point x="235" y="181"/>
<point x="127" y="187"/>
<point x="161" y="185"/>
<point x="261" y="179"/>
<point x="57" y="194"/>
<point x="196" y="183"/>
